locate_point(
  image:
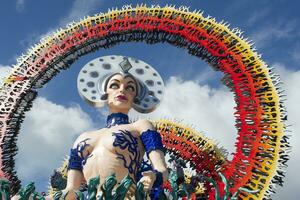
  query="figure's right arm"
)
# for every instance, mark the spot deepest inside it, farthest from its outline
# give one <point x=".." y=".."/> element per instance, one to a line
<point x="75" y="178"/>
<point x="75" y="175"/>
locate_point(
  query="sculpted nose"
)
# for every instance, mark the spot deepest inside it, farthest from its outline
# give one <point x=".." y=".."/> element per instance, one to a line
<point x="122" y="88"/>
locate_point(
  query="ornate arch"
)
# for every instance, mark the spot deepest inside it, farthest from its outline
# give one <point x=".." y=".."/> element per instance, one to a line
<point x="260" y="147"/>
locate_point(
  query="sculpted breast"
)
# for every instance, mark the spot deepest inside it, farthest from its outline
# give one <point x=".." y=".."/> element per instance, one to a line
<point x="117" y="151"/>
<point x="128" y="149"/>
<point x="124" y="140"/>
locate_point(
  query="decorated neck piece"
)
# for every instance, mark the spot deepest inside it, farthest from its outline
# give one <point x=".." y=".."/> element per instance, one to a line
<point x="94" y="76"/>
<point x="116" y="119"/>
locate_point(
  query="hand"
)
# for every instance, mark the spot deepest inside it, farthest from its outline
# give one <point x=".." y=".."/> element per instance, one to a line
<point x="131" y="191"/>
<point x="71" y="194"/>
<point x="16" y="197"/>
<point x="148" y="180"/>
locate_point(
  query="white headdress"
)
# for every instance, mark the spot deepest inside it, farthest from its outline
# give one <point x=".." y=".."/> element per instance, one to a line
<point x="93" y="78"/>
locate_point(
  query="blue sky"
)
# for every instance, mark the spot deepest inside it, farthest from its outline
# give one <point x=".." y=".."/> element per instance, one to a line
<point x="273" y="25"/>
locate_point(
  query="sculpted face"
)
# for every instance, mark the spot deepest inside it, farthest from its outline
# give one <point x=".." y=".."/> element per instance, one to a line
<point x="121" y="90"/>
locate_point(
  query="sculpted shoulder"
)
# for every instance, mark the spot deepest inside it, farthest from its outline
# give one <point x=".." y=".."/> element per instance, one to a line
<point x="142" y="125"/>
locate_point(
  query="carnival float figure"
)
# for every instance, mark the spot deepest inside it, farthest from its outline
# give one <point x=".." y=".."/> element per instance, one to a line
<point x="121" y="83"/>
<point x="262" y="146"/>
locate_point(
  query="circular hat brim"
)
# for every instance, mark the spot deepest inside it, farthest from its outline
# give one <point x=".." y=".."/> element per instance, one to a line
<point x="93" y="76"/>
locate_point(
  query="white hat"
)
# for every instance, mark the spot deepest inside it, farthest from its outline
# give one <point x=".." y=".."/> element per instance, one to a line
<point x="93" y="78"/>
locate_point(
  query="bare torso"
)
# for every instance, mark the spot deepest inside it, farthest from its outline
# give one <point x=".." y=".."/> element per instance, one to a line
<point x="117" y="150"/>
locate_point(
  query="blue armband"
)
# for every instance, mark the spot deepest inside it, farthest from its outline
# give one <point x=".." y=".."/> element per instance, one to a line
<point x="152" y="141"/>
<point x="75" y="161"/>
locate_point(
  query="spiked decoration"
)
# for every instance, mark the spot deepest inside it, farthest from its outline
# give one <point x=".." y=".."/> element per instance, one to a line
<point x="58" y="180"/>
<point x="4" y="189"/>
<point x="186" y="145"/>
<point x="262" y="145"/>
<point x="204" y="156"/>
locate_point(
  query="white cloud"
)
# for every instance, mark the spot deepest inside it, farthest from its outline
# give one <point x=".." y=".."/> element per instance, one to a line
<point x="80" y="9"/>
<point x="211" y="110"/>
<point x="295" y="53"/>
<point x="46" y="136"/>
<point x="291" y="85"/>
<point x="30" y="40"/>
<point x="20" y="5"/>
<point x="207" y="109"/>
<point x="272" y="32"/>
<point x="258" y="15"/>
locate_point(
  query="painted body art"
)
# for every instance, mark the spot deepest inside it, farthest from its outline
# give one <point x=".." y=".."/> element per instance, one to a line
<point x="126" y="141"/>
<point x="81" y="147"/>
<point x="77" y="158"/>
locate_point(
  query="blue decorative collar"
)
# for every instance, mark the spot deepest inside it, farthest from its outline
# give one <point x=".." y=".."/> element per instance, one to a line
<point x="116" y="119"/>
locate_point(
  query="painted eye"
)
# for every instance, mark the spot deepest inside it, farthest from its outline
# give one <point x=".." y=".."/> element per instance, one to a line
<point x="114" y="86"/>
<point x="130" y="88"/>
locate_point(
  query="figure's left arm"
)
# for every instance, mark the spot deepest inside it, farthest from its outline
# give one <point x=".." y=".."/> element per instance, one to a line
<point x="153" y="146"/>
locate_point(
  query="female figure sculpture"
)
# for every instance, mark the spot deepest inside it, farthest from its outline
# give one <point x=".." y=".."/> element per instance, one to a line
<point x="120" y="146"/>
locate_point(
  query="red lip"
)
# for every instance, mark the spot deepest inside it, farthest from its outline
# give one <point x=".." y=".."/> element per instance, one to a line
<point x="121" y="97"/>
